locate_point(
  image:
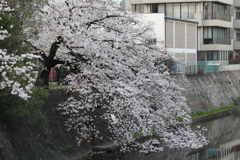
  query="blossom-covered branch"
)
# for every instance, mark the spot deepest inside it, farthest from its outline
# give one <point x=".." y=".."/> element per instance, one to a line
<point x="14" y="72"/>
<point x="115" y="70"/>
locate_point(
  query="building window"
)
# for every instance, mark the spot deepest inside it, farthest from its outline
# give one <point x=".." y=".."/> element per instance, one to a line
<point x="218" y="11"/>
<point x="157" y="8"/>
<point x="230" y="54"/>
<point x="207" y="35"/>
<point x="216" y="35"/>
<point x="200" y="56"/>
<point x="139" y="8"/>
<point x="237" y="36"/>
<point x="154" y="8"/>
<point x="180" y="10"/>
<point x="212" y="55"/>
<point x="169" y="10"/>
<point x="237" y="15"/>
<point x="184" y="10"/>
<point x="177" y="10"/>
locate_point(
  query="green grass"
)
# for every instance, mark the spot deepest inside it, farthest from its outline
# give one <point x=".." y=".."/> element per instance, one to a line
<point x="58" y="87"/>
<point x="201" y="113"/>
<point x="68" y="148"/>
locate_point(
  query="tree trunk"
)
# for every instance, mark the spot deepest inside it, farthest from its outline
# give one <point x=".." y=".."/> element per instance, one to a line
<point x="43" y="79"/>
<point x="49" y="62"/>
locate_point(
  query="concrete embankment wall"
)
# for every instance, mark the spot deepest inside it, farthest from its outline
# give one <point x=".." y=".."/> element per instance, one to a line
<point x="210" y="90"/>
<point x="27" y="141"/>
<point x="22" y="140"/>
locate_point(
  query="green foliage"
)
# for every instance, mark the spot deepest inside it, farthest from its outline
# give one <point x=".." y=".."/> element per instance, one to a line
<point x="169" y="64"/>
<point x="137" y="134"/>
<point x="54" y="80"/>
<point x="179" y="119"/>
<point x="68" y="148"/>
<point x="14" y="107"/>
<point x="14" y="43"/>
<point x="233" y="61"/>
<point x="207" y="99"/>
<point x="20" y="115"/>
<point x="235" y="98"/>
<point x="203" y="113"/>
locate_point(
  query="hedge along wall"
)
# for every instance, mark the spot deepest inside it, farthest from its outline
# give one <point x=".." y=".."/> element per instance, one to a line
<point x="210" y="90"/>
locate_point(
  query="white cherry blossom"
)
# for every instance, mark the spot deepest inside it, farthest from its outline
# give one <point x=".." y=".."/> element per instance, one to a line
<point x="11" y="72"/>
<point x="113" y="69"/>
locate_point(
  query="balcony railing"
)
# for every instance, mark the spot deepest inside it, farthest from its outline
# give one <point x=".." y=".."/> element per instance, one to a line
<point x="200" y="67"/>
<point x="217" y="15"/>
<point x="181" y="15"/>
<point x="217" y="40"/>
<point x="195" y="67"/>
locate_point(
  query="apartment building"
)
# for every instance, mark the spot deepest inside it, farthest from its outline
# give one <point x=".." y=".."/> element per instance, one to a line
<point x="126" y="6"/>
<point x="236" y="26"/>
<point x="179" y="35"/>
<point x="218" y="24"/>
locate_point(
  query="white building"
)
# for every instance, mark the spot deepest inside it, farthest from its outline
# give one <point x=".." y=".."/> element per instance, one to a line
<point x="125" y="4"/>
<point x="218" y="29"/>
<point x="180" y="35"/>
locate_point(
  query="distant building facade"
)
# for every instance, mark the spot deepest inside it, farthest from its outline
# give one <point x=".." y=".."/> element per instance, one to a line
<point x="180" y="35"/>
<point x="217" y="37"/>
<point x="125" y="5"/>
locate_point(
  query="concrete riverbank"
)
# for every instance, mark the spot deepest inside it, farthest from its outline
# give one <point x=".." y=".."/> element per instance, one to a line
<point x="203" y="92"/>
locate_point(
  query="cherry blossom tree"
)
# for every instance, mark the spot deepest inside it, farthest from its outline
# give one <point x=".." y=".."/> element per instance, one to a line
<point x="114" y="69"/>
<point x="15" y="71"/>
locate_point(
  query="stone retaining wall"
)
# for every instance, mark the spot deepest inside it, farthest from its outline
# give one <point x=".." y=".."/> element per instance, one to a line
<point x="203" y="92"/>
<point x="210" y="90"/>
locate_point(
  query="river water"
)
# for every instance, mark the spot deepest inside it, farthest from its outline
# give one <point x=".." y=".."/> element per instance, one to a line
<point x="224" y="144"/>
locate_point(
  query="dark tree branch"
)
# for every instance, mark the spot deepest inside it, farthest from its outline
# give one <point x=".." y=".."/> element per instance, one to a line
<point x="53" y="50"/>
<point x="55" y="62"/>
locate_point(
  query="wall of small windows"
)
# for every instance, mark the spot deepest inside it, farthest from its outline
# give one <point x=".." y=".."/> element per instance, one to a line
<point x="212" y="55"/>
<point x="176" y="10"/>
<point x="181" y="10"/>
<point x="212" y="7"/>
<point x="213" y="10"/>
<point x="216" y="35"/>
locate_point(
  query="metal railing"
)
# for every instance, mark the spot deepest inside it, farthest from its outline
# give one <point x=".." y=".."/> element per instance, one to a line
<point x="217" y="15"/>
<point x="200" y="67"/>
<point x="217" y="40"/>
<point x="195" y="67"/>
<point x="181" y="15"/>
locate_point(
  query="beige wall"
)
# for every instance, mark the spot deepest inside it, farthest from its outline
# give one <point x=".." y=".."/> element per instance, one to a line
<point x="191" y="36"/>
<point x="191" y="57"/>
<point x="236" y="2"/>
<point x="169" y="33"/>
<point x="179" y="35"/>
<point x="180" y="56"/>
